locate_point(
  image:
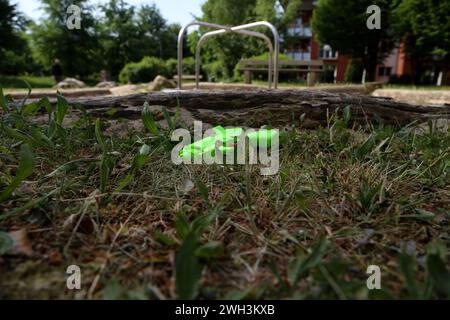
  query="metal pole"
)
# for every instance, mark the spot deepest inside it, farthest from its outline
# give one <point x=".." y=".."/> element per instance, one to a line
<point x="243" y="32"/>
<point x="276" y="37"/>
<point x="230" y="29"/>
<point x="180" y="43"/>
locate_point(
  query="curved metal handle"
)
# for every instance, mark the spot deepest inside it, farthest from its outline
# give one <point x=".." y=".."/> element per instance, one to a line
<point x="276" y="38"/>
<point x="229" y="29"/>
<point x="243" y="32"/>
<point x="180" y="43"/>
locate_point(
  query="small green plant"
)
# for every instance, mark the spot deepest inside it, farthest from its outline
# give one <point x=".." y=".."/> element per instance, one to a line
<point x="25" y="169"/>
<point x="188" y="267"/>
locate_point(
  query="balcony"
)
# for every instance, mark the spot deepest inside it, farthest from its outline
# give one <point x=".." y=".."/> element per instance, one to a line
<point x="299" y="55"/>
<point x="300" y="32"/>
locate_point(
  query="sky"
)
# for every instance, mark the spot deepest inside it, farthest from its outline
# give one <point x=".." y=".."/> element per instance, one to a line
<point x="180" y="11"/>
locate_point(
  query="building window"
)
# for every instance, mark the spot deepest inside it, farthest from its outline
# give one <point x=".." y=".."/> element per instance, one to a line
<point x="384" y="71"/>
<point x="326" y="52"/>
<point x="299" y="55"/>
<point x="388" y="71"/>
<point x="300" y="29"/>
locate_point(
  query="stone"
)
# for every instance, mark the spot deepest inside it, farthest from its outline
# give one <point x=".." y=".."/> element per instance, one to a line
<point x="70" y="83"/>
<point x="106" y="84"/>
<point x="160" y="83"/>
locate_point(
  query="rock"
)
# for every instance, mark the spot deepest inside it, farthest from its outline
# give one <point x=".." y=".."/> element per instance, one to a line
<point x="70" y="83"/>
<point x="124" y="90"/>
<point x="160" y="83"/>
<point x="106" y="84"/>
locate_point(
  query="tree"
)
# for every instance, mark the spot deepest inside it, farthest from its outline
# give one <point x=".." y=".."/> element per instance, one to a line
<point x="228" y="49"/>
<point x="119" y="35"/>
<point x="77" y="49"/>
<point x="15" y="55"/>
<point x="424" y="28"/>
<point x="342" y="24"/>
<point x="127" y="34"/>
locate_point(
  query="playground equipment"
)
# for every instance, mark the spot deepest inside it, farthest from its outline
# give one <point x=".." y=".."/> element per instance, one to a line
<point x="222" y="31"/>
<point x="242" y="29"/>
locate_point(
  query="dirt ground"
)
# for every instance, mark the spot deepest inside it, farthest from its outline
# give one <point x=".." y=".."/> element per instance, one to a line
<point x="415" y="96"/>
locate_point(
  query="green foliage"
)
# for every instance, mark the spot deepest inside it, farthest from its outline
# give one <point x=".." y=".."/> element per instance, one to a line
<point x="424" y="27"/>
<point x="229" y="48"/>
<point x="15" y="54"/>
<point x="188" y="268"/>
<point x="437" y="279"/>
<point x="147" y="119"/>
<point x="354" y="71"/>
<point x="25" y="169"/>
<point x="365" y="186"/>
<point x="123" y="35"/>
<point x="172" y="65"/>
<point x="300" y="266"/>
<point x="18" y="81"/>
<point x="348" y="33"/>
<point x="221" y="54"/>
<point x="128" y="34"/>
<point x="188" y="66"/>
<point x="144" y="71"/>
<point x="77" y="49"/>
<point x="215" y="71"/>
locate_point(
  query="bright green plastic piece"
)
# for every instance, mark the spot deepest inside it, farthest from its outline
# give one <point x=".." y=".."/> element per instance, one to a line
<point x="228" y="138"/>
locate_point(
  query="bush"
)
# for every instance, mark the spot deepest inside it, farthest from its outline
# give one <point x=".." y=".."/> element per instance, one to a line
<point x="144" y="71"/>
<point x="188" y="66"/>
<point x="214" y="71"/>
<point x="354" y="72"/>
<point x="172" y="65"/>
<point x="328" y="74"/>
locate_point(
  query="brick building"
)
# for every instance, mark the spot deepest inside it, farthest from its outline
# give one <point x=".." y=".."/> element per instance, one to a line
<point x="305" y="47"/>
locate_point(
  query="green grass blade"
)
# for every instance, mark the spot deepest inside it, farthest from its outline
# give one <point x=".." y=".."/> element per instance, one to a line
<point x="187" y="268"/>
<point x="3" y="101"/>
<point x="168" y="119"/>
<point x="99" y="136"/>
<point x="61" y="108"/>
<point x="148" y="120"/>
<point x="26" y="167"/>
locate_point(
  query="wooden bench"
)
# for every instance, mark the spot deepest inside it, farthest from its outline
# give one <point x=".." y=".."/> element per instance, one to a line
<point x="186" y="77"/>
<point x="311" y="68"/>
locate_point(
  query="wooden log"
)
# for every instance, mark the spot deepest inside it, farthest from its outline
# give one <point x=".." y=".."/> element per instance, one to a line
<point x="272" y="107"/>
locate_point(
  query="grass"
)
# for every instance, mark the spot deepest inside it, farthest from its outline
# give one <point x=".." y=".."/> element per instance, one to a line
<point x="139" y="227"/>
<point x="17" y="82"/>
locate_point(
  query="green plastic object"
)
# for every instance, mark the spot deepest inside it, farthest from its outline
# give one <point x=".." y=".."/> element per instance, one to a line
<point x="228" y="139"/>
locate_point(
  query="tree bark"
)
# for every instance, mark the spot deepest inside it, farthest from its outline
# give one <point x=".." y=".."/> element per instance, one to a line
<point x="261" y="107"/>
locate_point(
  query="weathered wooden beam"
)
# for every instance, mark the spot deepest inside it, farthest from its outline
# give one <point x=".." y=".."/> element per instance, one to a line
<point x="259" y="107"/>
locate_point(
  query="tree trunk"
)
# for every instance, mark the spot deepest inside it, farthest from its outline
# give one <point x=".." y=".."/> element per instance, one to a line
<point x="261" y="107"/>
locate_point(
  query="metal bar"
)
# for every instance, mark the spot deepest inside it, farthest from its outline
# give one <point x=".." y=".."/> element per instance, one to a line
<point x="276" y="37"/>
<point x="180" y="43"/>
<point x="243" y="32"/>
<point x="230" y="29"/>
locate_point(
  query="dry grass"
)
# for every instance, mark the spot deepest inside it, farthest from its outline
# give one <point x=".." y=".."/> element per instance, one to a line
<point x="345" y="198"/>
